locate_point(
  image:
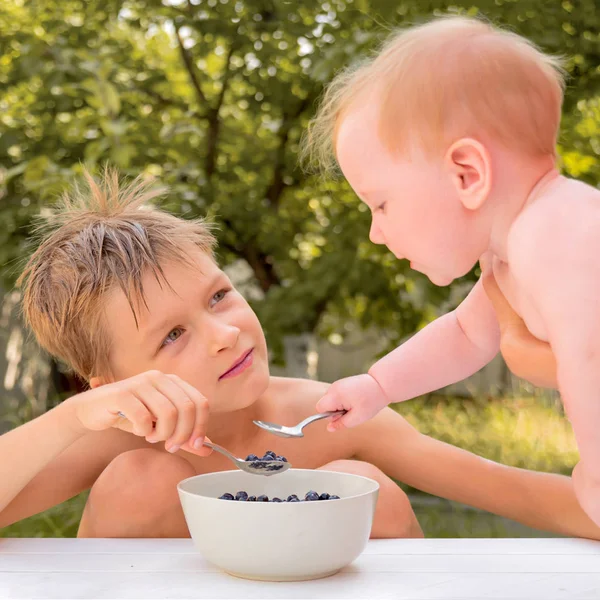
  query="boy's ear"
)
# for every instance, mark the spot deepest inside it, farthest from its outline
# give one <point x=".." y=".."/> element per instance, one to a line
<point x="469" y="165"/>
<point x="96" y="382"/>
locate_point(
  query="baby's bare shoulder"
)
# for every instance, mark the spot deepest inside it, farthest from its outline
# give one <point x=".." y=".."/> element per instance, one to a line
<point x="559" y="224"/>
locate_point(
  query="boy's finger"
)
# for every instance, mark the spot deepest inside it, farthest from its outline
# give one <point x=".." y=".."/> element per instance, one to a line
<point x="198" y="433"/>
<point x="161" y="407"/>
<point x="186" y="412"/>
<point x="138" y="419"/>
<point x="502" y="308"/>
<point x="201" y="451"/>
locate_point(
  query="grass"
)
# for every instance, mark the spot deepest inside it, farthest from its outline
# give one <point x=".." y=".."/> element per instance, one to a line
<point x="519" y="432"/>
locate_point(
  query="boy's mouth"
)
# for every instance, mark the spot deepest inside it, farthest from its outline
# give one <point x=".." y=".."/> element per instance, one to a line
<point x="240" y="365"/>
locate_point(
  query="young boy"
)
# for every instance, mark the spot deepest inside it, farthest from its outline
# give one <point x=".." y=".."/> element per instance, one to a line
<point x="449" y="137"/>
<point x="133" y="300"/>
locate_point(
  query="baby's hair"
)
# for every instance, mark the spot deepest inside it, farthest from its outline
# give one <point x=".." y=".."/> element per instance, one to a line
<point x="101" y="236"/>
<point x="449" y="78"/>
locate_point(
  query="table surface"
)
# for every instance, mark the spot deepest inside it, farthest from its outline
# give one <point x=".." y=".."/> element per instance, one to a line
<point x="449" y="569"/>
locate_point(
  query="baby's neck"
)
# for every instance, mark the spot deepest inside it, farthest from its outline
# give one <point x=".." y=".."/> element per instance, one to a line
<point x="518" y="187"/>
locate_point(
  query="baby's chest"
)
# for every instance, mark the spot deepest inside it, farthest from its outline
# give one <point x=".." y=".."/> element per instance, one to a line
<point x="519" y="300"/>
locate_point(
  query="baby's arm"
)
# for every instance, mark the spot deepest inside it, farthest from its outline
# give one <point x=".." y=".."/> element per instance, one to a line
<point x="446" y="351"/>
<point x="540" y="500"/>
<point x="561" y="272"/>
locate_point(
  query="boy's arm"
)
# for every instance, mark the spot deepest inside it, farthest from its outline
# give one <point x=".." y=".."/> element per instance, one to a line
<point x="540" y="500"/>
<point x="446" y="351"/>
<point x="52" y="462"/>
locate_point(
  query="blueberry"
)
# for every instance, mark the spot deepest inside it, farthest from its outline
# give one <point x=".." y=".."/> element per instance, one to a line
<point x="324" y="496"/>
<point x="292" y="498"/>
<point x="269" y="455"/>
<point x="251" y="457"/>
<point x="226" y="496"/>
<point x="281" y="459"/>
<point x="262" y="498"/>
<point x="334" y="497"/>
<point x="242" y="496"/>
<point x="311" y="496"/>
<point x="277" y="500"/>
<point x="274" y="467"/>
<point x="257" y="464"/>
<point x="251" y="498"/>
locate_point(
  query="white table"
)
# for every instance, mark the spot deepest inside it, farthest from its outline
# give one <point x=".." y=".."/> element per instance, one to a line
<point x="464" y="569"/>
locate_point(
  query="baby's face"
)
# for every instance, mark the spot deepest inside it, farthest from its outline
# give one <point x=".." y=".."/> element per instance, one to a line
<point x="200" y="328"/>
<point x="415" y="209"/>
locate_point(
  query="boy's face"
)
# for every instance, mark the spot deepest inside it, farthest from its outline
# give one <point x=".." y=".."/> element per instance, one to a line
<point x="200" y="328"/>
<point x="414" y="206"/>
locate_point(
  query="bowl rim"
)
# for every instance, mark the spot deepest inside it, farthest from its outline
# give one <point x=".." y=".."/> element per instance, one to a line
<point x="375" y="489"/>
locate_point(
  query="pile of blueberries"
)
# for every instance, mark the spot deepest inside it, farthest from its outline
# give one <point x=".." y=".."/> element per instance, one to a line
<point x="309" y="497"/>
<point x="264" y="462"/>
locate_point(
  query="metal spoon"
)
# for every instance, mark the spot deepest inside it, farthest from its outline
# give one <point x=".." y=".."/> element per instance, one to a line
<point x="254" y="467"/>
<point x="296" y="430"/>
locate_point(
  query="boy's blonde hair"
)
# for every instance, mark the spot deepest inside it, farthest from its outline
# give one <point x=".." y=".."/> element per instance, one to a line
<point x="99" y="237"/>
<point x="449" y="78"/>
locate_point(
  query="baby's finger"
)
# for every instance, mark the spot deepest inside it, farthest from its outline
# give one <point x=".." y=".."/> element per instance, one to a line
<point x="336" y="423"/>
<point x="328" y="402"/>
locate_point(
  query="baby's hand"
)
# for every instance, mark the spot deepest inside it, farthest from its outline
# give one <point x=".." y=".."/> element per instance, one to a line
<point x="360" y="395"/>
<point x="156" y="406"/>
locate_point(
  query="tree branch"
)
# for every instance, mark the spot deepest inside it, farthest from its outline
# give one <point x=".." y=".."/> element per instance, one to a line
<point x="275" y="189"/>
<point x="214" y="120"/>
<point x="260" y="263"/>
<point x="189" y="65"/>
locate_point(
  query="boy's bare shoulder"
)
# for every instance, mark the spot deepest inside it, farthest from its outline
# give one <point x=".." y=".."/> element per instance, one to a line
<point x="295" y="396"/>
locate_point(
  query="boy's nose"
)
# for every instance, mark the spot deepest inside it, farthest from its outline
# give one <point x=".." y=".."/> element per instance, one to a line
<point x="375" y="234"/>
<point x="224" y="336"/>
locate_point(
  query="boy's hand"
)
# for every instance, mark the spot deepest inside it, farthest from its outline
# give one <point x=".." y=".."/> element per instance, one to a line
<point x="526" y="356"/>
<point x="157" y="406"/>
<point x="361" y="396"/>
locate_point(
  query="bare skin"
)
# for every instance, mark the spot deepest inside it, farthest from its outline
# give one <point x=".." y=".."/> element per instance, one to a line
<point x="84" y="444"/>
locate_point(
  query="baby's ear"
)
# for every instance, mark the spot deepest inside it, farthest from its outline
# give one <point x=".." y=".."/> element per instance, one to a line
<point x="469" y="165"/>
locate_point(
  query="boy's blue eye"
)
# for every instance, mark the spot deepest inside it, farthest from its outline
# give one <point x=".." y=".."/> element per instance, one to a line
<point x="173" y="336"/>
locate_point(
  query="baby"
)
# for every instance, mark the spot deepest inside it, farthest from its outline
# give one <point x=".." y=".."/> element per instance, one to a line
<point x="449" y="136"/>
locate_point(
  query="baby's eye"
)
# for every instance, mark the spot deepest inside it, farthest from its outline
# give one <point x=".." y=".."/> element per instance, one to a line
<point x="173" y="336"/>
<point x="218" y="297"/>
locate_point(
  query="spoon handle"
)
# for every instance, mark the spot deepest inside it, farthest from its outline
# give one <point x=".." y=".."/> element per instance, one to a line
<point x="320" y="416"/>
<point x="222" y="450"/>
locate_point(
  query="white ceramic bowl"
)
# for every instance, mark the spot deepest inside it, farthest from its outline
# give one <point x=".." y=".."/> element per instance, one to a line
<point x="287" y="541"/>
